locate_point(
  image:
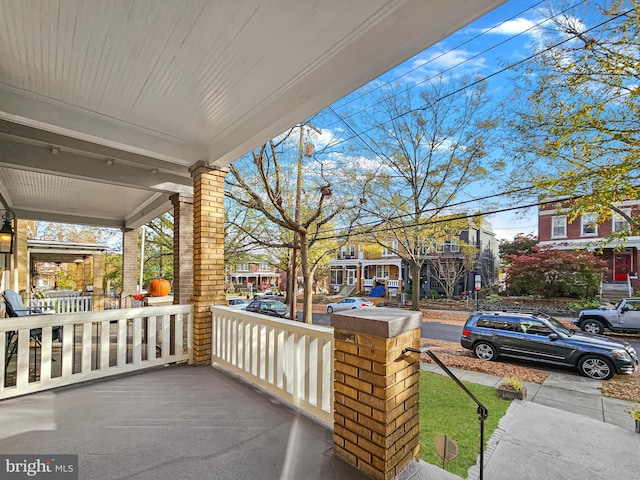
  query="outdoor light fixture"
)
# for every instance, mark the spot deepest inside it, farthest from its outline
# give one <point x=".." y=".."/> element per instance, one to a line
<point x="6" y="232"/>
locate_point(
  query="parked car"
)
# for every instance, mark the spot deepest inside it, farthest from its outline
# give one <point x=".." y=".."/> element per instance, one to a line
<point x="625" y="317"/>
<point x="349" y="303"/>
<point x="541" y="338"/>
<point x="239" y="303"/>
<point x="268" y="293"/>
<point x="273" y="308"/>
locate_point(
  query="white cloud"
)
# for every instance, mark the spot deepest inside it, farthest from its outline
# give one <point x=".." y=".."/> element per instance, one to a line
<point x="513" y="27"/>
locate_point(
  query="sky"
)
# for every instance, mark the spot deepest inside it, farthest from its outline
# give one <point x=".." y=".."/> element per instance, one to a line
<point x="484" y="47"/>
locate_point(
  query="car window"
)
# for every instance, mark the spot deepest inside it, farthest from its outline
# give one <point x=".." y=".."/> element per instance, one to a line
<point x="633" y="306"/>
<point x="534" y="327"/>
<point x="505" y="324"/>
<point x="344" y="300"/>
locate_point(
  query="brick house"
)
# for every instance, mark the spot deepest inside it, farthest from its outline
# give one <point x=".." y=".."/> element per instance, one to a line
<point x="622" y="256"/>
<point x="255" y="275"/>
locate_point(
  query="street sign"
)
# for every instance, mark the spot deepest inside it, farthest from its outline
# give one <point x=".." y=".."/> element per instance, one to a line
<point x="478" y="281"/>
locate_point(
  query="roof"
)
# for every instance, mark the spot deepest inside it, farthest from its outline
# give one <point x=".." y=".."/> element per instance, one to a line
<point x="104" y="106"/>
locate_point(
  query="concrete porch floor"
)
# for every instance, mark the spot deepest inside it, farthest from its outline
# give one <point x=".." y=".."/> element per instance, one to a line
<point x="178" y="422"/>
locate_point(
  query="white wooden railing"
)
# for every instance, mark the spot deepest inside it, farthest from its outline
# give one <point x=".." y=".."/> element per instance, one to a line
<point x="291" y="360"/>
<point x="72" y="304"/>
<point x="94" y="345"/>
<point x="392" y="283"/>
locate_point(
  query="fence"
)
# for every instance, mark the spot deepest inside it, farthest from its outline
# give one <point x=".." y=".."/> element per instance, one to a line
<point x="71" y="304"/>
<point x="92" y="345"/>
<point x="289" y="359"/>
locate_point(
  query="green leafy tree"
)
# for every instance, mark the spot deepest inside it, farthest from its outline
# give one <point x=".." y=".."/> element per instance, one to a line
<point x="520" y="245"/>
<point x="555" y="273"/>
<point x="433" y="144"/>
<point x="575" y="129"/>
<point x="158" y="248"/>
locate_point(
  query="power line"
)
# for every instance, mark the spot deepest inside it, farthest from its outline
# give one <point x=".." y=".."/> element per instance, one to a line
<point x="491" y="75"/>
<point x="457" y="47"/>
<point x="453" y="67"/>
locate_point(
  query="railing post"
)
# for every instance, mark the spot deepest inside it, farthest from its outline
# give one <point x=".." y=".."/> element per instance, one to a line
<point x="376" y="390"/>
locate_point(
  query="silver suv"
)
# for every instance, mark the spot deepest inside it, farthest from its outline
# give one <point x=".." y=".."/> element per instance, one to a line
<point x="541" y="338"/>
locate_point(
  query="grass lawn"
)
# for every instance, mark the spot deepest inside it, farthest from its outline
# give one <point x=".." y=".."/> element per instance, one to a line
<point x="446" y="410"/>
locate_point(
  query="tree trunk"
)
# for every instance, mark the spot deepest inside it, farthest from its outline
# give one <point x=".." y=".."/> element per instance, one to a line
<point x="414" y="268"/>
<point x="307" y="302"/>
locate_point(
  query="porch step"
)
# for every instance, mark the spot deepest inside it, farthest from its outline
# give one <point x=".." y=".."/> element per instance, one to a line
<point x="346" y="290"/>
<point x="614" y="292"/>
<point x="377" y="292"/>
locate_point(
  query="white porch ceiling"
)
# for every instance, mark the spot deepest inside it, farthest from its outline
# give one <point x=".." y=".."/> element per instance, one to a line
<point x="104" y="105"/>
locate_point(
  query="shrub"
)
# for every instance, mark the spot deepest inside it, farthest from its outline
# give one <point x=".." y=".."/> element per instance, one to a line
<point x="584" y="304"/>
<point x="512" y="383"/>
<point x="635" y="412"/>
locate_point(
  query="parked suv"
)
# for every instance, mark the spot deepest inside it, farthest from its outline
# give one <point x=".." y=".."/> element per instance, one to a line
<point x="625" y="317"/>
<point x="541" y="338"/>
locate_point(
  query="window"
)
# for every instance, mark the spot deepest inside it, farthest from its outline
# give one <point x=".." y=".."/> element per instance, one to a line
<point x="589" y="225"/>
<point x="264" y="267"/>
<point x="352" y="251"/>
<point x="242" y="267"/>
<point x="558" y="227"/>
<point x="454" y="247"/>
<point x="336" y="276"/>
<point x="619" y="222"/>
<point x="382" y="271"/>
<point x="391" y="249"/>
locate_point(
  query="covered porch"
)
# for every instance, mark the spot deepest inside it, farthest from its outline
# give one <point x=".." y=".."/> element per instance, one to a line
<point x="112" y="113"/>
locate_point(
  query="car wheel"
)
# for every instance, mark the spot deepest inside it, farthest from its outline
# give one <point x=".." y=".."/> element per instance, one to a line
<point x="593" y="326"/>
<point x="485" y="351"/>
<point x="598" y="368"/>
<point x="329" y="309"/>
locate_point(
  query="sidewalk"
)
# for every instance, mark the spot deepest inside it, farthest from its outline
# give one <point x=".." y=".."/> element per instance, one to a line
<point x="564" y="430"/>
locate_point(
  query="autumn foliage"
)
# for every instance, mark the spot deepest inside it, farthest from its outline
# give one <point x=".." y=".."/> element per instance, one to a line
<point x="554" y="273"/>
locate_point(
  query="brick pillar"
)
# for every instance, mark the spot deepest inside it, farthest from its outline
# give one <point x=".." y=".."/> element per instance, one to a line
<point x="130" y="265"/>
<point x="182" y="249"/>
<point x="208" y="254"/>
<point x="376" y="390"/>
<point x="20" y="261"/>
<point x="98" y="280"/>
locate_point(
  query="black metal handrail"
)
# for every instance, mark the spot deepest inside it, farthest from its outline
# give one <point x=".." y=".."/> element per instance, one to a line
<point x="483" y="413"/>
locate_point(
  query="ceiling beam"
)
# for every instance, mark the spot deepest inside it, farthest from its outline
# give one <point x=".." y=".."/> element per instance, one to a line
<point x="55" y="161"/>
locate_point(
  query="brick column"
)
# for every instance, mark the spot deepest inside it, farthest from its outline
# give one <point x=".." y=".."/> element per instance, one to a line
<point x="130" y="266"/>
<point x="182" y="248"/>
<point x="376" y="390"/>
<point x="20" y="258"/>
<point x="208" y="254"/>
<point x="98" y="280"/>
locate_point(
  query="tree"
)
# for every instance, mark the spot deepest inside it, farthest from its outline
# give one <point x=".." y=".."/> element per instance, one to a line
<point x="555" y="273"/>
<point x="449" y="269"/>
<point x="158" y="248"/>
<point x="577" y="131"/>
<point x="520" y="245"/>
<point x="299" y="202"/>
<point x="433" y="144"/>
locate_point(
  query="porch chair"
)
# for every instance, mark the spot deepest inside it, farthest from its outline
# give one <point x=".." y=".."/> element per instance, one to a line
<point x="15" y="308"/>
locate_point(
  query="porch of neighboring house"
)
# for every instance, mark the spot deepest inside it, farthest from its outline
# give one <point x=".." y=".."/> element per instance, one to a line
<point x="376" y="277"/>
